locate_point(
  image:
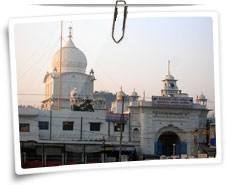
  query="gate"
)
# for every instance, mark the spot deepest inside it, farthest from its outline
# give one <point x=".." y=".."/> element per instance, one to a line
<point x="158" y="148"/>
<point x="181" y="148"/>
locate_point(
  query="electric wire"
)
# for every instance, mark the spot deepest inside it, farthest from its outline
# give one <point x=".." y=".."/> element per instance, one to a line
<point x="37" y="60"/>
<point x="37" y="49"/>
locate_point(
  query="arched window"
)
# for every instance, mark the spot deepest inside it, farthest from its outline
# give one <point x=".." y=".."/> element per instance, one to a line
<point x="136" y="134"/>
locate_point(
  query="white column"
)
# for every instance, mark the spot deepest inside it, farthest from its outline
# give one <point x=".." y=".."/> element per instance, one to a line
<point x="190" y="143"/>
<point x="147" y="139"/>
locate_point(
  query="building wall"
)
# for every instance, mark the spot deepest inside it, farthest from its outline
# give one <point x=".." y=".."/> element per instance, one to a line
<point x="33" y="134"/>
<point x="144" y="126"/>
<point x="82" y="82"/>
<point x="58" y="134"/>
<point x="70" y="81"/>
<point x="67" y="115"/>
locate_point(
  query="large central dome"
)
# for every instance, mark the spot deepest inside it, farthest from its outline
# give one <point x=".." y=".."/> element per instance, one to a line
<point x="73" y="59"/>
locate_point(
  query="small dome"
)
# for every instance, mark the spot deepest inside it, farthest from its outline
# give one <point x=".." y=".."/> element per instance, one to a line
<point x="120" y="94"/>
<point x="169" y="77"/>
<point x="73" y="59"/>
<point x="134" y="93"/>
<point x="202" y="97"/>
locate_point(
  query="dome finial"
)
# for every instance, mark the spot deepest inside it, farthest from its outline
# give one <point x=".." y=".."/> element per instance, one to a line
<point x="70" y="32"/>
<point x="168" y="67"/>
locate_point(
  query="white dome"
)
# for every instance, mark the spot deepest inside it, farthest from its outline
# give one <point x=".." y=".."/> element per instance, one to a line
<point x="73" y="59"/>
<point x="169" y="77"/>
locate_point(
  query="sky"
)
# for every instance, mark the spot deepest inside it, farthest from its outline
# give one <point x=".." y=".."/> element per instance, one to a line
<point x="139" y="61"/>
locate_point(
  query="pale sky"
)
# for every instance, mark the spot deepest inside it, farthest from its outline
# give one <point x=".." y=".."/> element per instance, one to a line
<point x="139" y="61"/>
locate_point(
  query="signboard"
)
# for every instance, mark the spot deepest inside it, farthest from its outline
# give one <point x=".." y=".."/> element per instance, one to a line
<point x="202" y="155"/>
<point x="116" y="117"/>
<point x="165" y="101"/>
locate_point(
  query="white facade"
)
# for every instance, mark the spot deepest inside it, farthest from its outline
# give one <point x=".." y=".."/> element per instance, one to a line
<point x="81" y="125"/>
<point x="152" y="122"/>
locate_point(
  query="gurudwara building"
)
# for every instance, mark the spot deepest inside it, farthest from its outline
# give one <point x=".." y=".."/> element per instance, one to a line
<point x="74" y="126"/>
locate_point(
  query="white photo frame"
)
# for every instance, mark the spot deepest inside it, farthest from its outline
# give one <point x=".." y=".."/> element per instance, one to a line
<point x="19" y="170"/>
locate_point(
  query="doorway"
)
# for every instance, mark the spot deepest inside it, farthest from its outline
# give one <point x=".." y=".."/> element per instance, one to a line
<point x="168" y="144"/>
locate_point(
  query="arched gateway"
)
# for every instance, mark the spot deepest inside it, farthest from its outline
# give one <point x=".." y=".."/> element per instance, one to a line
<point x="169" y="143"/>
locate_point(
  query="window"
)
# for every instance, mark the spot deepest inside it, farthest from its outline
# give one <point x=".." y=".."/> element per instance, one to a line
<point x="43" y="125"/>
<point x="95" y="126"/>
<point x="68" y="125"/>
<point x="24" y="127"/>
<point x="117" y="127"/>
<point x="135" y="134"/>
<point x="136" y="131"/>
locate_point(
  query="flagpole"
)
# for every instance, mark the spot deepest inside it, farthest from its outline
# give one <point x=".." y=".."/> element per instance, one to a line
<point x="60" y="61"/>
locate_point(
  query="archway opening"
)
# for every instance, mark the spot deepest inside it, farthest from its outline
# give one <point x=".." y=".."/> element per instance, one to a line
<point x="168" y="144"/>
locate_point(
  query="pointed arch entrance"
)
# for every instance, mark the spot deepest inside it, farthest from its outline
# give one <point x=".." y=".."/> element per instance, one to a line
<point x="169" y="141"/>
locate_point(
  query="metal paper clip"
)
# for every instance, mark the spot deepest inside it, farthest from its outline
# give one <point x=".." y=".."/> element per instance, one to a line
<point x="115" y="18"/>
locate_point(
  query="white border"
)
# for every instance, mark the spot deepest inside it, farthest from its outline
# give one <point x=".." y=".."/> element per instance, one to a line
<point x="216" y="160"/>
<point x="111" y="2"/>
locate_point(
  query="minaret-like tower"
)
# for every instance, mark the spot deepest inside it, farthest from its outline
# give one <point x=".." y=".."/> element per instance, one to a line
<point x="121" y="98"/>
<point x="134" y="96"/>
<point x="170" y="86"/>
